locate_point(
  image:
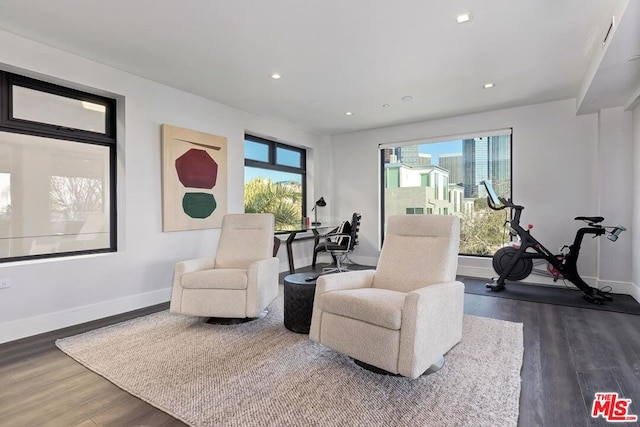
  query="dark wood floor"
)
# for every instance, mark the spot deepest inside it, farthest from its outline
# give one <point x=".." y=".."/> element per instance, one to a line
<point x="570" y="353"/>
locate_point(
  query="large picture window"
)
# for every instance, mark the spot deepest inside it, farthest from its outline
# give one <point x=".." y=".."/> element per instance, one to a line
<point x="275" y="181"/>
<point x="443" y="178"/>
<point x="57" y="170"/>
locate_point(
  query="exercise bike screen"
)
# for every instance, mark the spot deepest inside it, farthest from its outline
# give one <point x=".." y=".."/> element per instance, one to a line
<point x="492" y="194"/>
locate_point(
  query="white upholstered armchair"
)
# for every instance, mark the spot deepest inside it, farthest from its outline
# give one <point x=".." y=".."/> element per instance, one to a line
<point x="405" y="315"/>
<point x="240" y="282"/>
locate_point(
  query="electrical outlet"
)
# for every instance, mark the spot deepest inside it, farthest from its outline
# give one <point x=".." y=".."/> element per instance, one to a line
<point x="4" y="283"/>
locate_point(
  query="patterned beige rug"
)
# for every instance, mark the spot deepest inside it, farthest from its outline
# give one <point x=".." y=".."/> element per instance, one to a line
<point x="261" y="374"/>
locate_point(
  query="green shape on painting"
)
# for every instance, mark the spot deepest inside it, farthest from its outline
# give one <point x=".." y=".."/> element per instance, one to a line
<point x="199" y="205"/>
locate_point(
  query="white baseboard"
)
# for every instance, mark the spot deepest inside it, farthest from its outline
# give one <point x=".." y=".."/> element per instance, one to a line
<point x="635" y="292"/>
<point x="474" y="271"/>
<point x="624" y="288"/>
<point x="30" y="326"/>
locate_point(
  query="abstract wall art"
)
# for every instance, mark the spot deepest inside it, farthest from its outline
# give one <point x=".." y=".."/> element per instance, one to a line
<point x="194" y="179"/>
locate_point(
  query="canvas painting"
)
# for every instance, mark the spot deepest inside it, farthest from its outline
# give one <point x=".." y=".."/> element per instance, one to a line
<point x="194" y="179"/>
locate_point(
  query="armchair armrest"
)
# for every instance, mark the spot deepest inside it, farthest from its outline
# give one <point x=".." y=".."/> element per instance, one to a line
<point x="346" y="280"/>
<point x="192" y="265"/>
<point x="336" y="282"/>
<point x="182" y="268"/>
<point x="262" y="284"/>
<point x="431" y="325"/>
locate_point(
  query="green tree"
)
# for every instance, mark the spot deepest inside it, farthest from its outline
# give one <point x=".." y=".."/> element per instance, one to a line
<point x="483" y="230"/>
<point x="283" y="199"/>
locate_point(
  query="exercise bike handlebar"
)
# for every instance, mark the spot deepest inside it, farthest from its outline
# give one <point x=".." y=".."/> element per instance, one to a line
<point x="495" y="202"/>
<point x="615" y="233"/>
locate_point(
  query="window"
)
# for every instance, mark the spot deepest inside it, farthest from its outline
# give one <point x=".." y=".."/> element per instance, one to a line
<point x="275" y="180"/>
<point x="415" y="211"/>
<point x="57" y="170"/>
<point x="444" y="177"/>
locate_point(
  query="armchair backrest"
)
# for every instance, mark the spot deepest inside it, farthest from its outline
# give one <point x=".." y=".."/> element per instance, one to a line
<point x="418" y="250"/>
<point x="245" y="238"/>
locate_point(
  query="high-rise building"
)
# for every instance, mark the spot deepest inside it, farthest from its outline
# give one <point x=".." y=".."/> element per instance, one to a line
<point x="452" y="163"/>
<point x="424" y="159"/>
<point x="486" y="158"/>
<point x="408" y="155"/>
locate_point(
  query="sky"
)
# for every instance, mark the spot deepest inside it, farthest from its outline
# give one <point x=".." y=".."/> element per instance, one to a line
<point x="437" y="148"/>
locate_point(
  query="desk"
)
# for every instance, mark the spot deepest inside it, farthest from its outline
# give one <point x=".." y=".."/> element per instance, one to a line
<point x="302" y="229"/>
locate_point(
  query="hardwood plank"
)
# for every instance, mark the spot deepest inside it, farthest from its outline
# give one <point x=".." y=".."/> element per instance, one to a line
<point x="15" y="407"/>
<point x="51" y="360"/>
<point x="51" y="374"/>
<point x="594" y="381"/>
<point x="629" y="387"/>
<point x="531" y="392"/>
<point x="6" y="381"/>
<point x="561" y="393"/>
<point x="604" y="359"/>
<point x="104" y="400"/>
<point x="134" y="412"/>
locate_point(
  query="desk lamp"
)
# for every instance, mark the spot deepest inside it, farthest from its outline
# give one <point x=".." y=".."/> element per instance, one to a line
<point x="320" y="202"/>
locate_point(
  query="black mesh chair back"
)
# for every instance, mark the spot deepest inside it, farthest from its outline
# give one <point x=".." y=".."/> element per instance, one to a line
<point x="339" y="243"/>
<point x="355" y="230"/>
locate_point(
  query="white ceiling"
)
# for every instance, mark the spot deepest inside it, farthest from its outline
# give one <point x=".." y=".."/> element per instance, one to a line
<point x="341" y="55"/>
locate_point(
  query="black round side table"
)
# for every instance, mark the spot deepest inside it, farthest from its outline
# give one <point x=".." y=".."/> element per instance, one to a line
<point x="298" y="301"/>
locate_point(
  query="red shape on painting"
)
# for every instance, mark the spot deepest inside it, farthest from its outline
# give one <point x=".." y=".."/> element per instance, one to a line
<point x="197" y="169"/>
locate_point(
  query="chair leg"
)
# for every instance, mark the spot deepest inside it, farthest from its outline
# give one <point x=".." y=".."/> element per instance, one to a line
<point x="435" y="367"/>
<point x="349" y="260"/>
<point x="339" y="268"/>
<point x="313" y="261"/>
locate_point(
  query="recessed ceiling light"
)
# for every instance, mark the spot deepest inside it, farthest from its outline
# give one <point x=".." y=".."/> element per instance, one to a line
<point x="348" y="113"/>
<point x="386" y="105"/>
<point x="407" y="98"/>
<point x="488" y="85"/>
<point x="276" y="76"/>
<point x="463" y="17"/>
<point x="633" y="58"/>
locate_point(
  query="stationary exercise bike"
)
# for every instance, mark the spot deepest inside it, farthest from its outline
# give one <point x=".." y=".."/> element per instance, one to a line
<point x="516" y="262"/>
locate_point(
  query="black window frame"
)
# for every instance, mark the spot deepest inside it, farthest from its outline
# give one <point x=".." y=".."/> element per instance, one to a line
<point x="8" y="123"/>
<point x="272" y="163"/>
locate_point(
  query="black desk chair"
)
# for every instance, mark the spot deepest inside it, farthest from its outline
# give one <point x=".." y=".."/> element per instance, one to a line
<point x="339" y="243"/>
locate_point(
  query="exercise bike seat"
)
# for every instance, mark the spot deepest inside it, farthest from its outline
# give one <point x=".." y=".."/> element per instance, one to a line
<point x="590" y="219"/>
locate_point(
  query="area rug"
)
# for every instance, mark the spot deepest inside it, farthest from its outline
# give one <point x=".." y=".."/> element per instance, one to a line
<point x="261" y="374"/>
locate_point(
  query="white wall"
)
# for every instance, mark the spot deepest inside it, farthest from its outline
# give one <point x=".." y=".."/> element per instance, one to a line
<point x="635" y="225"/>
<point x="555" y="176"/>
<point x="47" y="295"/>
<point x="615" y="179"/>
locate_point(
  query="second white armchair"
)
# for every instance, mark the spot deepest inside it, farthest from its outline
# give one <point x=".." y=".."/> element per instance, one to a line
<point x="405" y="315"/>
